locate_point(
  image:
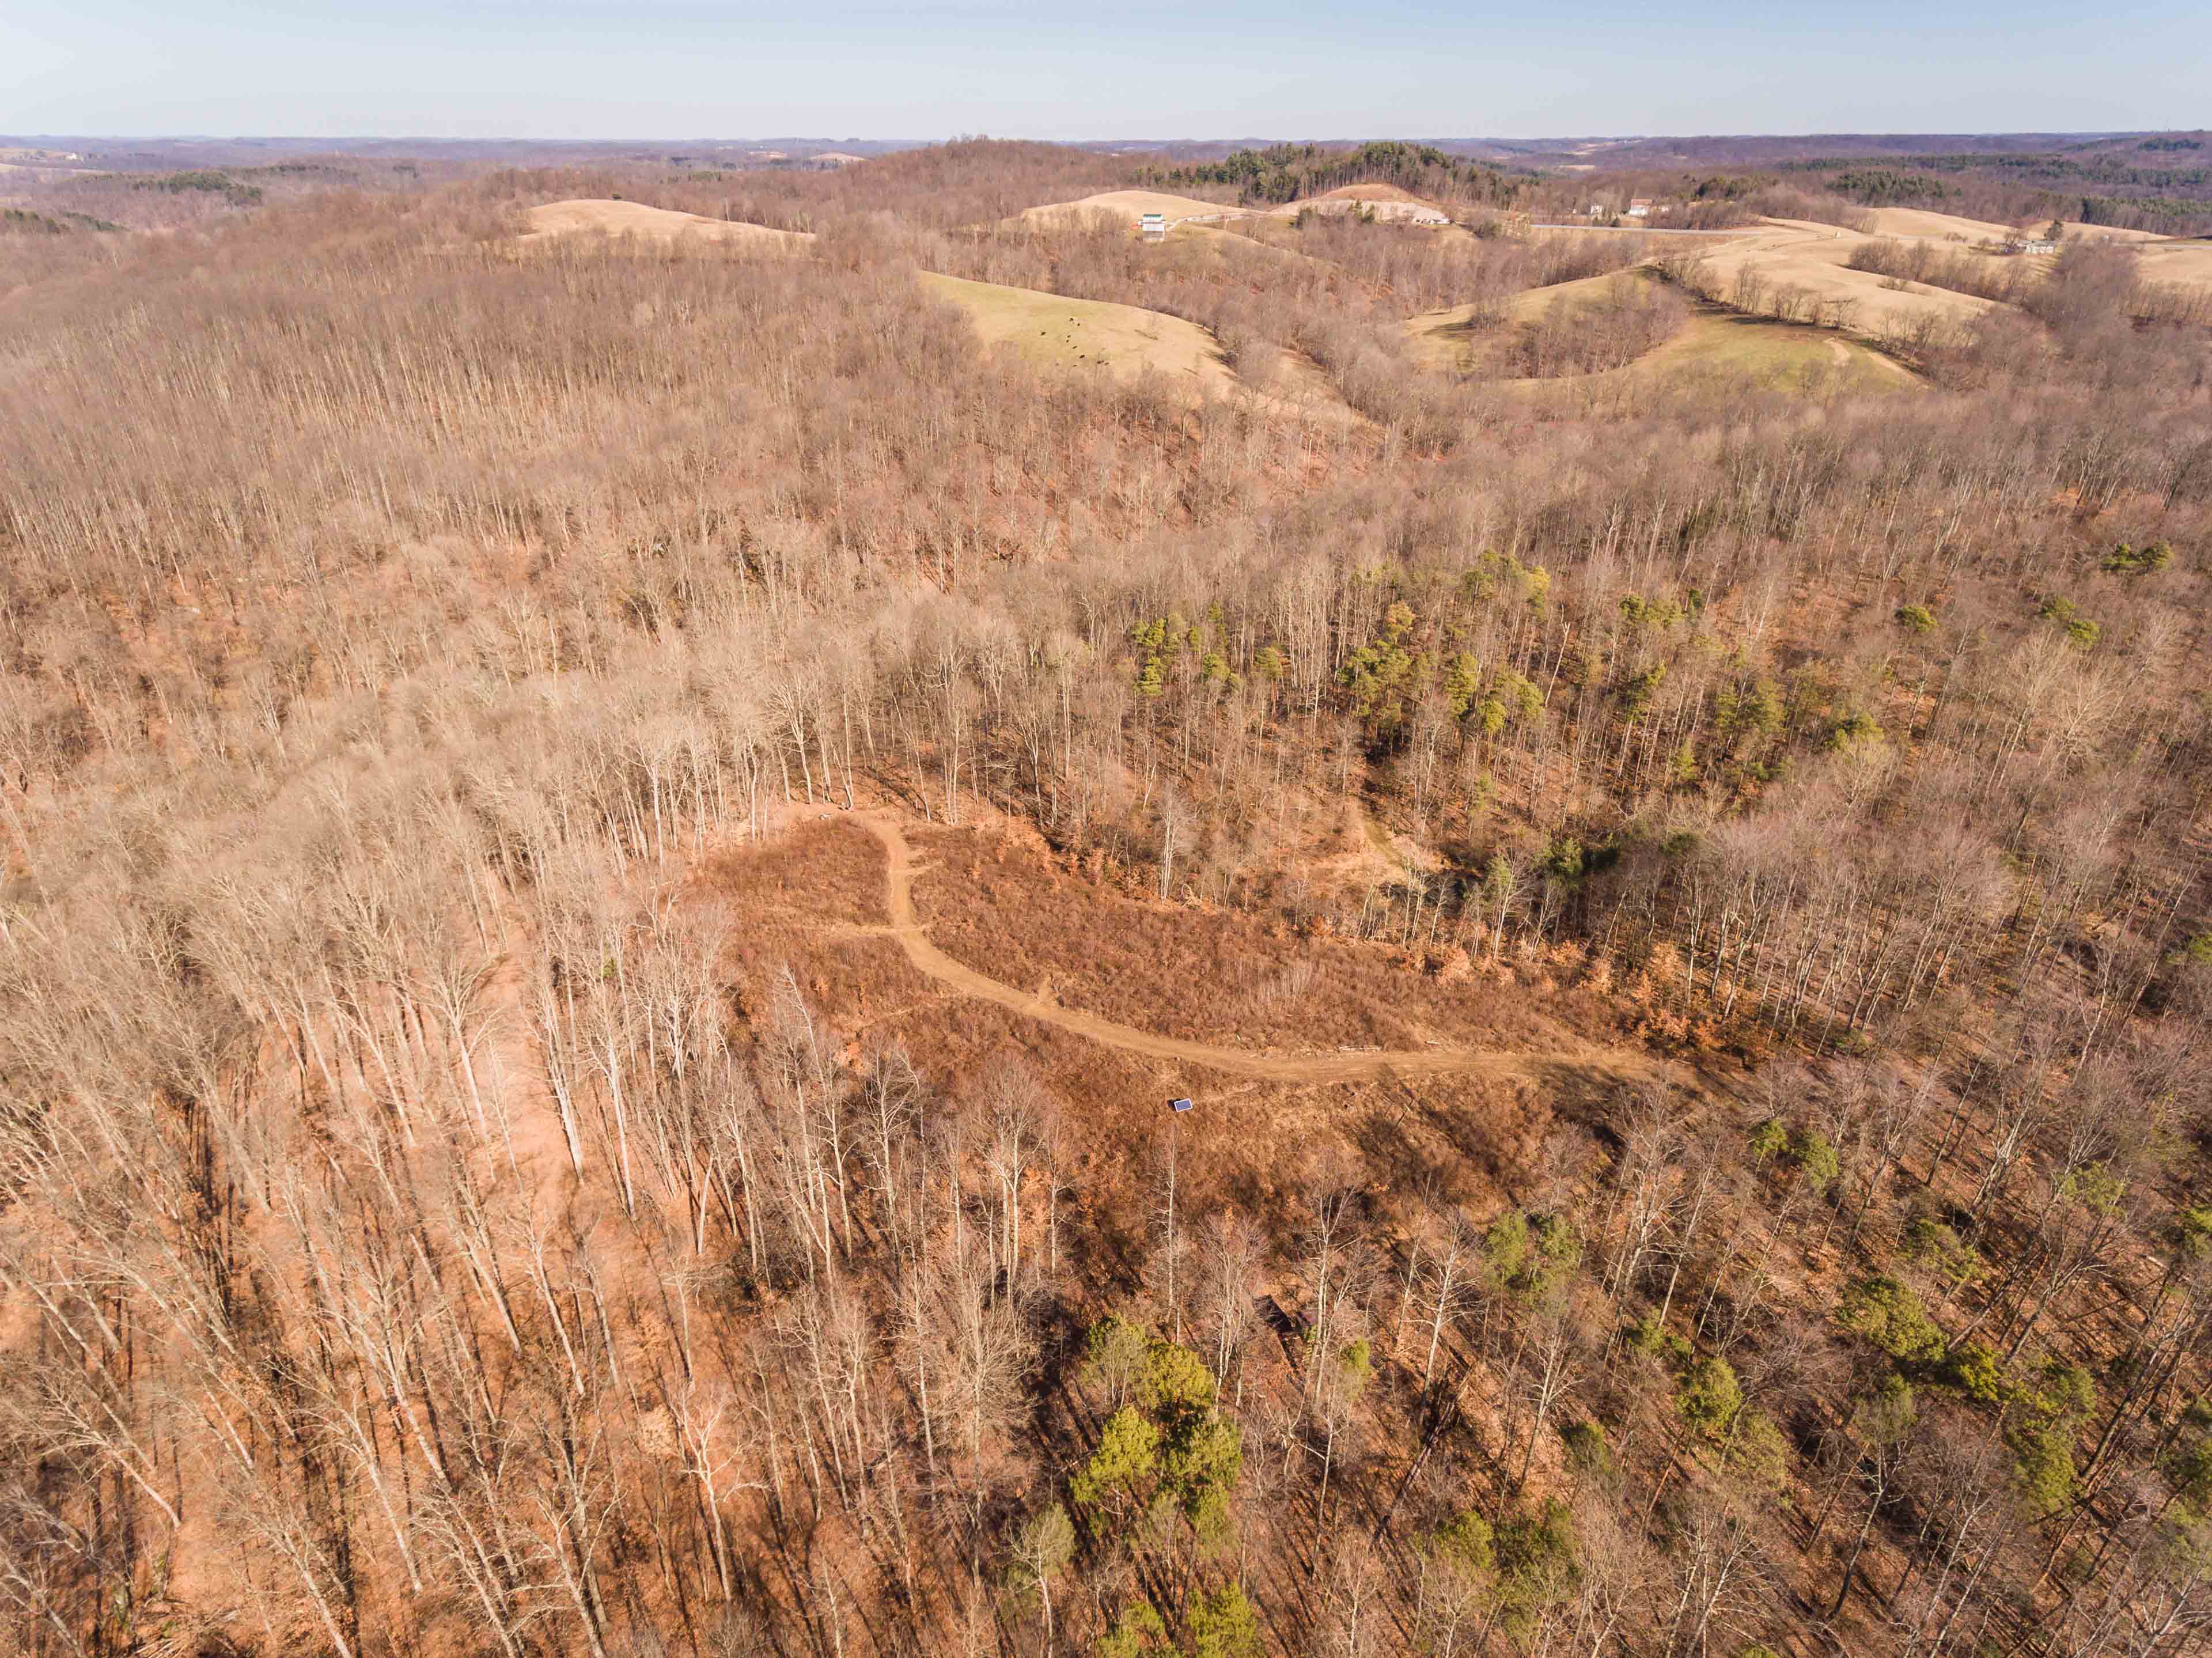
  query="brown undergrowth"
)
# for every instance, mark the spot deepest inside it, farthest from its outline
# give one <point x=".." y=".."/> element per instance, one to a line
<point x="810" y="900"/>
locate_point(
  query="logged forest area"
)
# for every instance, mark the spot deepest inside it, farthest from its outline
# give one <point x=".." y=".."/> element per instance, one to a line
<point x="627" y="792"/>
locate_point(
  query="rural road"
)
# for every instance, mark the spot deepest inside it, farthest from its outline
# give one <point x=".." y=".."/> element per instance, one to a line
<point x="1342" y="1065"/>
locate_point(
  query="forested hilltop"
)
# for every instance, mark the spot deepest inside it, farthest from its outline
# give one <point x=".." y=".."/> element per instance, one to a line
<point x="2152" y="181"/>
<point x="613" y="845"/>
<point x="1283" y="172"/>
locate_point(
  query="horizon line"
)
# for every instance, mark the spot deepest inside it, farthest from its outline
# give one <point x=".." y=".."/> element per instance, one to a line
<point x="919" y="142"/>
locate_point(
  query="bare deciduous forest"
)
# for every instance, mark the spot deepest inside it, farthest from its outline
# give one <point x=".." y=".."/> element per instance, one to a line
<point x="609" y="854"/>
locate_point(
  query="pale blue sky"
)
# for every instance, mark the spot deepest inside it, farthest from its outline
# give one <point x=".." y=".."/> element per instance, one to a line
<point x="690" y="68"/>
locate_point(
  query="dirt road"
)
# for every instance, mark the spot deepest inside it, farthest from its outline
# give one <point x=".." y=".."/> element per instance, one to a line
<point x="1325" y="1068"/>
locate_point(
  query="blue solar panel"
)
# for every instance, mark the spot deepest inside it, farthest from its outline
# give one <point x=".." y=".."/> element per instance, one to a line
<point x="1179" y="1105"/>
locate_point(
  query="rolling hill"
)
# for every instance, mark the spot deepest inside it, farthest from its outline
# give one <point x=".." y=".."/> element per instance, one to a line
<point x="1812" y="260"/>
<point x="1053" y="330"/>
<point x="658" y="225"/>
<point x="1384" y="202"/>
<point x="1049" y="331"/>
<point x="1712" y="346"/>
<point x="1060" y="334"/>
<point x="1132" y="205"/>
<point x="2178" y="264"/>
<point x="1942" y="227"/>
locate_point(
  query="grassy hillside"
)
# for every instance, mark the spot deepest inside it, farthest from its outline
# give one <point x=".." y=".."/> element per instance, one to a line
<point x="1605" y="348"/>
<point x="652" y="226"/>
<point x="1053" y="330"/>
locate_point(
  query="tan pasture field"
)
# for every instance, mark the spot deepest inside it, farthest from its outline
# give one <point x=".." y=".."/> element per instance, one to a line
<point x="1132" y="205"/>
<point x="1054" y="332"/>
<point x="1369" y="192"/>
<point x="1713" y="347"/>
<point x="1537" y="303"/>
<point x="1702" y="238"/>
<point x="1811" y="256"/>
<point x="1717" y="345"/>
<point x="2107" y="233"/>
<point x="1783" y="253"/>
<point x="1448" y="339"/>
<point x="1385" y="201"/>
<point x="2177" y="262"/>
<point x="1212" y="247"/>
<point x="2184" y="264"/>
<point x="659" y="224"/>
<point x="1445" y="339"/>
<point x="1939" y="226"/>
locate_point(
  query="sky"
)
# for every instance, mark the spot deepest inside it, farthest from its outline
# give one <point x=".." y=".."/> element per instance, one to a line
<point x="930" y="69"/>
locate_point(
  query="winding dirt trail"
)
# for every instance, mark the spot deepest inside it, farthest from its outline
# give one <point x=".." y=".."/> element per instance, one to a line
<point x="1323" y="1067"/>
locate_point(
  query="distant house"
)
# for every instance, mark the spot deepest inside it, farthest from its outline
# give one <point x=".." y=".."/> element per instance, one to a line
<point x="1154" y="226"/>
<point x="1640" y="208"/>
<point x="2031" y="245"/>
